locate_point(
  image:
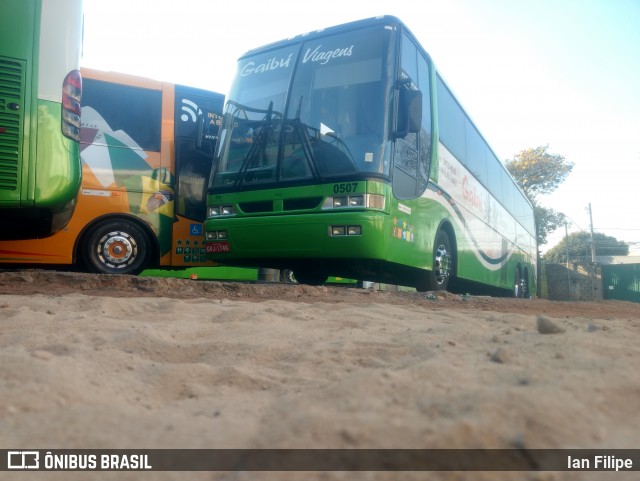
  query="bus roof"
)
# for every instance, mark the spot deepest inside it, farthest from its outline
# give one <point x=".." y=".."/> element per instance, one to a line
<point x="137" y="81"/>
<point x="389" y="19"/>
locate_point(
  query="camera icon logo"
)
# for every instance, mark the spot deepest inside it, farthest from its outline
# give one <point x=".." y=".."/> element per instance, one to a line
<point x="23" y="460"/>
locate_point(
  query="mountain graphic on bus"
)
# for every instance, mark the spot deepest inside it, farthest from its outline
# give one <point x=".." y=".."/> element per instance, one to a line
<point x="121" y="158"/>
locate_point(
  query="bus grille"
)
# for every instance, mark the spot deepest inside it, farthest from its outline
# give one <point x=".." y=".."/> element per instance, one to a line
<point x="266" y="206"/>
<point x="302" y="204"/>
<point x="255" y="207"/>
<point x="11" y="74"/>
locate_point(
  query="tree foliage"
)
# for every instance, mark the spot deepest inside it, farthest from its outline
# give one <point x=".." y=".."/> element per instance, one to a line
<point x="579" y="244"/>
<point x="537" y="171"/>
<point x="547" y="220"/>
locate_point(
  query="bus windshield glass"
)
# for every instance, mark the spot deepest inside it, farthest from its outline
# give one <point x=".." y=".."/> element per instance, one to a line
<point x="306" y="112"/>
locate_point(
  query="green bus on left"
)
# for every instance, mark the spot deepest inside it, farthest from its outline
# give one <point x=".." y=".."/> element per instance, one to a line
<point x="40" y="92"/>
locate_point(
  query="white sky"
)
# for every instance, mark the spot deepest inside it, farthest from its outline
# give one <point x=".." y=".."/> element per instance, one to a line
<point x="560" y="72"/>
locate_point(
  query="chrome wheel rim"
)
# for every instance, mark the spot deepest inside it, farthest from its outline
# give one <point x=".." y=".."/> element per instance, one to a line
<point x="442" y="264"/>
<point x="117" y="249"/>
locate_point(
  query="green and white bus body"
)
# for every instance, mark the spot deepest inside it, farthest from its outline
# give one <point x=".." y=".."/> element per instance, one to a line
<point x="342" y="152"/>
<point x="40" y="89"/>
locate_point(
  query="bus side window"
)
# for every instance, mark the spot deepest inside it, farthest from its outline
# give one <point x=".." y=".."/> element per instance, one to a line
<point x="406" y="153"/>
<point x="424" y="137"/>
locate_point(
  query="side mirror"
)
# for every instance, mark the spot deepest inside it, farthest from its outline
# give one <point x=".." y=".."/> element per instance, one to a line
<point x="409" y="113"/>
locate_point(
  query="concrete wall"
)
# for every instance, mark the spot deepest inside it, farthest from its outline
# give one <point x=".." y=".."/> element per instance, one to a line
<point x="578" y="283"/>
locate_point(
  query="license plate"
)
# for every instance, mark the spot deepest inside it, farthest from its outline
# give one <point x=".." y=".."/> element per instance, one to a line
<point x="223" y="246"/>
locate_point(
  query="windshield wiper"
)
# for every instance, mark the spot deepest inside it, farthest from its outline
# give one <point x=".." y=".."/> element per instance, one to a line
<point x="258" y="148"/>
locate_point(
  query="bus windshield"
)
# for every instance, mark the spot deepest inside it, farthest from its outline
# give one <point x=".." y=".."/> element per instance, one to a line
<point x="306" y="112"/>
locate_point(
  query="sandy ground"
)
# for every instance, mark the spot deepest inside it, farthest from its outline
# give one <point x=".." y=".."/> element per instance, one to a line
<point x="117" y="362"/>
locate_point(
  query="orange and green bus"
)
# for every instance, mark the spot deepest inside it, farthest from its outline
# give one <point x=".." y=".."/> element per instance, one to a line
<point x="343" y="152"/>
<point x="40" y="90"/>
<point x="146" y="160"/>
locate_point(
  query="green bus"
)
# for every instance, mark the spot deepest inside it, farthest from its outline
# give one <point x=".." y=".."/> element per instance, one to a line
<point x="40" y="90"/>
<point x="342" y="152"/>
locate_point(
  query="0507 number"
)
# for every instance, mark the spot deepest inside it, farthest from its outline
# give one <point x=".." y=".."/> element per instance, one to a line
<point x="345" y="188"/>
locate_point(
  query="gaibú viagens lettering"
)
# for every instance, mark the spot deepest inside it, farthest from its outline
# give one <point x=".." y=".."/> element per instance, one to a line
<point x="323" y="56"/>
<point x="274" y="63"/>
<point x="316" y="55"/>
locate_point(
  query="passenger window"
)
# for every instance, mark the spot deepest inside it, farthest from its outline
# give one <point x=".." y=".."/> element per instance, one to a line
<point x="406" y="155"/>
<point x="130" y="116"/>
<point x="424" y="138"/>
<point x="451" y="122"/>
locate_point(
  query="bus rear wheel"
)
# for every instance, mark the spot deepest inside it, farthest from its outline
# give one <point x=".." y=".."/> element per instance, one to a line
<point x="518" y="284"/>
<point x="437" y="279"/>
<point x="115" y="247"/>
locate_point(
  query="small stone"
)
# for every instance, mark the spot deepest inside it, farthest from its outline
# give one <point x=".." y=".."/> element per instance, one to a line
<point x="547" y="326"/>
<point x="500" y="356"/>
<point x="41" y="354"/>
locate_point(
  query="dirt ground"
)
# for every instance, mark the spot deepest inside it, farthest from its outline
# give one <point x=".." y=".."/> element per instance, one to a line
<point x="27" y="282"/>
<point x="121" y="362"/>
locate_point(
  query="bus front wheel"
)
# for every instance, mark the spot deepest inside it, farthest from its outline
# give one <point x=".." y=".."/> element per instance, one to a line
<point x="437" y="279"/>
<point x="115" y="247"/>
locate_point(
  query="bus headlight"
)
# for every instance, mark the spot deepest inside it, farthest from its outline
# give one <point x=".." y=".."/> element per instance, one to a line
<point x="340" y="202"/>
<point x="216" y="235"/>
<point x="366" y="201"/>
<point x="337" y="230"/>
<point x="356" y="201"/>
<point x="220" y="210"/>
<point x="341" y="230"/>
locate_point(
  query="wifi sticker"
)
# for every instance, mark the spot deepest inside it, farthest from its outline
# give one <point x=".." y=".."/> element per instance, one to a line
<point x="190" y="111"/>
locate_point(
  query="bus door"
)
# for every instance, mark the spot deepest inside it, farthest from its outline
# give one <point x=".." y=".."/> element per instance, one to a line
<point x="193" y="157"/>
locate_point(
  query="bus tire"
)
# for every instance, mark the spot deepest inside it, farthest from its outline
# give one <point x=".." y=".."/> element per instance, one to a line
<point x="437" y="279"/>
<point x="526" y="293"/>
<point x="286" y="276"/>
<point x="115" y="247"/>
<point x="518" y="284"/>
<point x="310" y="277"/>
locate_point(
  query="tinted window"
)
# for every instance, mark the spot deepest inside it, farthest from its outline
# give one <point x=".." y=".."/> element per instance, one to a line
<point x="132" y="112"/>
<point x="406" y="157"/>
<point x="476" y="153"/>
<point x="425" y="132"/>
<point x="508" y="192"/>
<point x="495" y="176"/>
<point x="451" y="122"/>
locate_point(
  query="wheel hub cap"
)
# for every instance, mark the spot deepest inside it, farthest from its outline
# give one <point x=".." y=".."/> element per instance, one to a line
<point x="442" y="264"/>
<point x="118" y="249"/>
